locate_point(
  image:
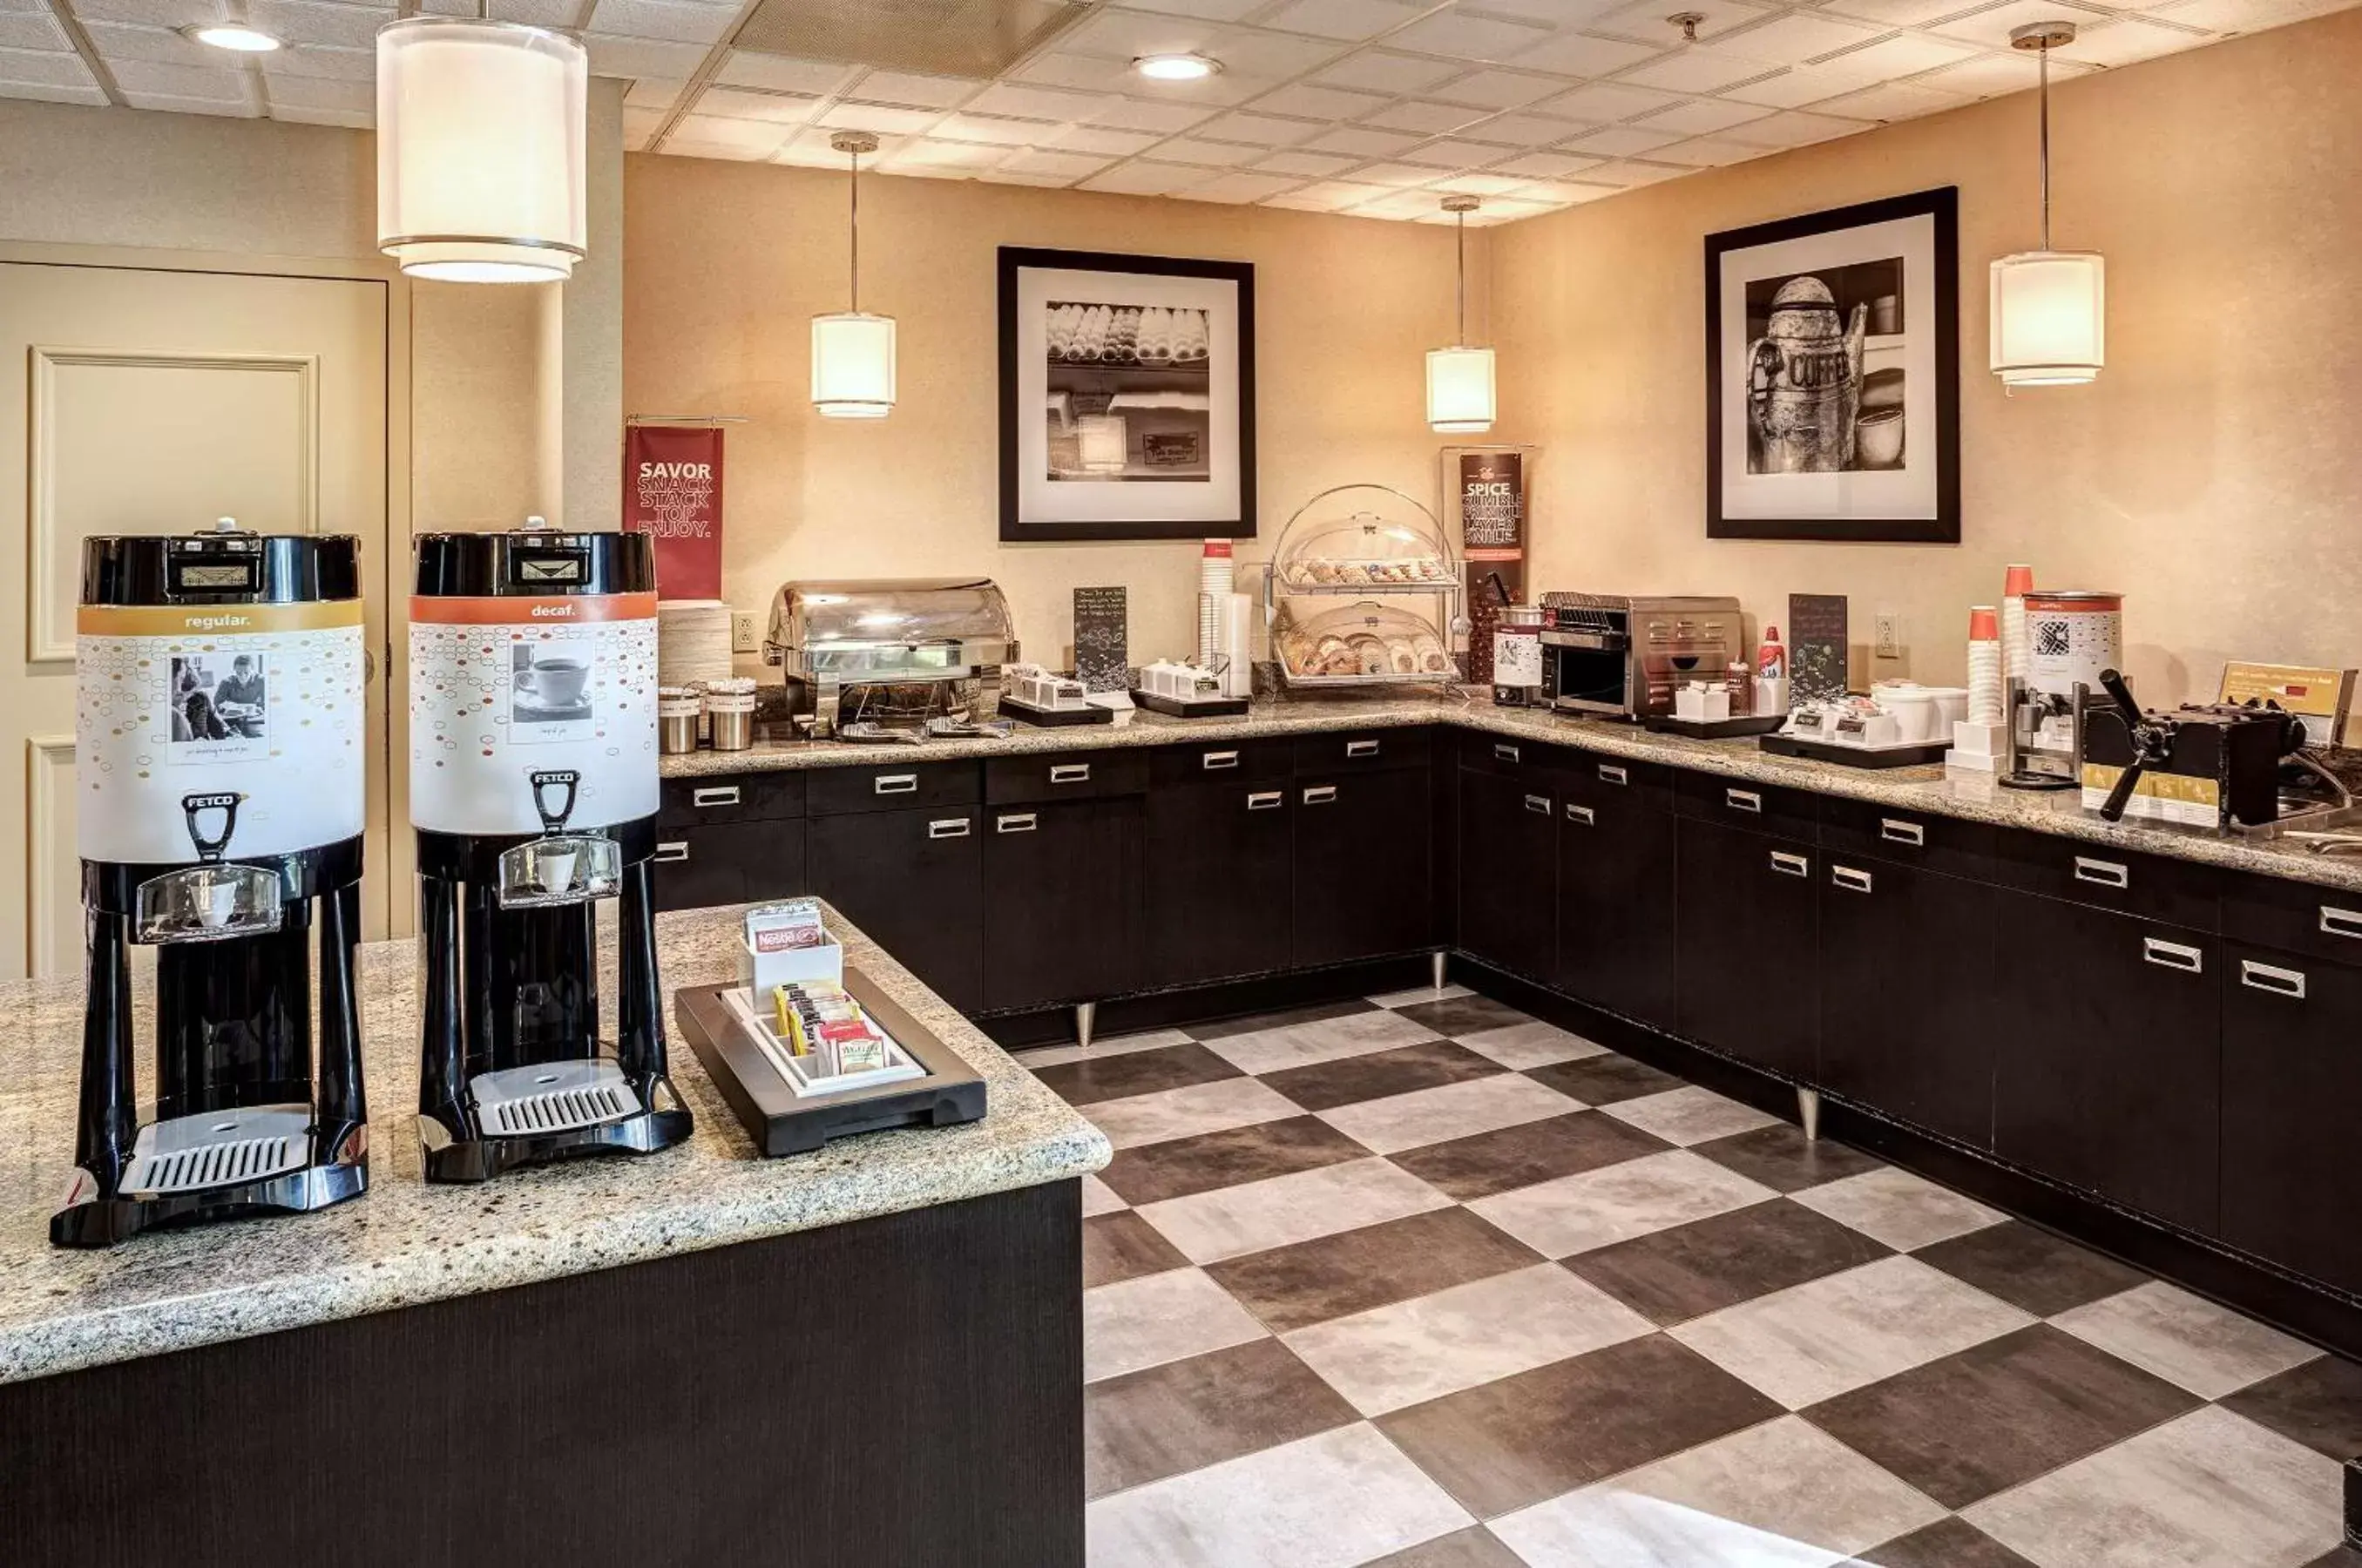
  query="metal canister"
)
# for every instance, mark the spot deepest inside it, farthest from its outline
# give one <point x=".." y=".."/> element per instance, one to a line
<point x="678" y="708"/>
<point x="730" y="709"/>
<point x="1518" y="656"/>
<point x="2071" y="636"/>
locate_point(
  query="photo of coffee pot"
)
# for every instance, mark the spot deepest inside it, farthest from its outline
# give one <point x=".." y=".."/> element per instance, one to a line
<point x="1804" y="382"/>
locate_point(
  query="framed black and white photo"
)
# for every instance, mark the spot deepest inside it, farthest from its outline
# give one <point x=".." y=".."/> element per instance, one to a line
<point x="1833" y="375"/>
<point x="1127" y="396"/>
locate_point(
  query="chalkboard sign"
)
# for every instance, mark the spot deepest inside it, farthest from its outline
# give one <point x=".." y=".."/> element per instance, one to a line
<point x="1103" y="656"/>
<point x="1816" y="647"/>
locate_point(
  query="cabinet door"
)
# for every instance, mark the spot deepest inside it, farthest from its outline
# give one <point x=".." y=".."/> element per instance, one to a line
<point x="914" y="881"/>
<point x="1616" y="904"/>
<point x="1508" y="871"/>
<point x="729" y="862"/>
<point x="1363" y="886"/>
<point x="2291" y="1078"/>
<point x="1065" y="889"/>
<point x="2107" y="1060"/>
<point x="1745" y="975"/>
<point x="1907" y="999"/>
<point x="1217" y="880"/>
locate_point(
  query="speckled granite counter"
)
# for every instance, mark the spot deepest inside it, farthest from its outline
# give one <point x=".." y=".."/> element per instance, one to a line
<point x="1913" y="788"/>
<point x="404" y="1243"/>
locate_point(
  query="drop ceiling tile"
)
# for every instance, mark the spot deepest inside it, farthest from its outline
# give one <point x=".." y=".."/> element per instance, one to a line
<point x="913" y="90"/>
<point x="224" y="84"/>
<point x="1708" y="152"/>
<point x="1564" y="192"/>
<point x="303" y="115"/>
<point x="1128" y="35"/>
<point x="1900" y="12"/>
<point x="1700" y="116"/>
<point x="1004" y="175"/>
<point x="1545" y="165"/>
<point x="1525" y="130"/>
<point x="810" y="147"/>
<point x="1212" y="10"/>
<point x="1263" y="130"/>
<point x="638" y="125"/>
<point x="1498" y="89"/>
<point x="745" y="68"/>
<point x="1794" y="129"/>
<point x="1990" y="26"/>
<point x="991" y="129"/>
<point x="680" y="146"/>
<point x="1063" y="165"/>
<point x="1645" y="19"/>
<point x="1606" y="102"/>
<point x="1033" y="103"/>
<point x="883" y="118"/>
<point x="1892" y="101"/>
<point x="336" y="64"/>
<point x="1805" y="84"/>
<point x="1551" y="13"/>
<point x="776" y="108"/>
<point x="1384" y="72"/>
<point x="148" y="12"/>
<point x="1145" y="115"/>
<point x="1397" y="174"/>
<point x="1902" y="56"/>
<point x="1306" y="102"/>
<point x="1466" y="37"/>
<point x="169" y="104"/>
<point x="1341" y="18"/>
<point x="116" y="41"/>
<point x="1697" y="70"/>
<point x="1580" y="54"/>
<point x="1304" y="165"/>
<point x="1623" y="141"/>
<point x="667" y="19"/>
<point x="919" y="152"/>
<point x="537" y="13"/>
<point x="1332" y="196"/>
<point x="1296" y="202"/>
<point x="759" y="137"/>
<point x="320" y="93"/>
<point x="2247" y="16"/>
<point x="2130" y="39"/>
<point x="1507" y="209"/>
<point x="1989" y="75"/>
<point x="1479" y="185"/>
<point x="1428" y="119"/>
<point x="1798" y="37"/>
<point x="1632" y="173"/>
<point x="1361" y="142"/>
<point x="1086" y="73"/>
<point x="33" y="31"/>
<point x="1278" y="56"/>
<point x="1237" y="186"/>
<point x="1098" y="138"/>
<point x="643" y="57"/>
<point x="1207" y="154"/>
<point x="1453" y="152"/>
<point x="1404" y="206"/>
<point x="652" y="93"/>
<point x="1145" y="180"/>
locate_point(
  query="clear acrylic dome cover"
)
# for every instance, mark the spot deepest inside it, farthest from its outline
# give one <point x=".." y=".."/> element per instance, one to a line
<point x="1362" y="641"/>
<point x="1363" y="536"/>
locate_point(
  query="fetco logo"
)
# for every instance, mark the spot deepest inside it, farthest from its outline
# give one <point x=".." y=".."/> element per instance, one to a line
<point x="553" y="609"/>
<point x="217" y="622"/>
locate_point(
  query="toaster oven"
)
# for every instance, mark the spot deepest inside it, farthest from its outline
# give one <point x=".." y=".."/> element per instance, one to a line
<point x="1623" y="657"/>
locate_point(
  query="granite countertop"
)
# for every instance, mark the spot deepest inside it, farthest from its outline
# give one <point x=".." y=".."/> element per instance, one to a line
<point x="1930" y="789"/>
<point x="404" y="1243"/>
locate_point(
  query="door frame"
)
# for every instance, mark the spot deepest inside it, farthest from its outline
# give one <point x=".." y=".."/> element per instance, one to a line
<point x="402" y="852"/>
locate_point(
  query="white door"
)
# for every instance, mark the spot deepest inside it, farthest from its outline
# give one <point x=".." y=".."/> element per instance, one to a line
<point x="154" y="402"/>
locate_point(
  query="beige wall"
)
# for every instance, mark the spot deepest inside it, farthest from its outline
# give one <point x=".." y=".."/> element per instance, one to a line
<point x="2214" y="472"/>
<point x="726" y="263"/>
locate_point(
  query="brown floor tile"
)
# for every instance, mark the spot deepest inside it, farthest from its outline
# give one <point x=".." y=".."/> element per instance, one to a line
<point x="2318" y="1405"/>
<point x="2030" y="1268"/>
<point x="1455" y="1016"/>
<point x="2338" y="1557"/>
<point x="1948" y="1543"/>
<point x="1257" y="1023"/>
<point x="1691" y="1270"/>
<point x="1487" y="1163"/>
<point x="1782" y="1159"/>
<point x="1476" y="1548"/>
<point x="1186" y="1415"/>
<point x="2000" y="1413"/>
<point x="1124" y="1246"/>
<point x="1351" y="1079"/>
<point x="1312" y="1282"/>
<point x="1604" y="1079"/>
<point x="1134" y="1072"/>
<point x="1180" y="1166"/>
<point x="1529" y="1437"/>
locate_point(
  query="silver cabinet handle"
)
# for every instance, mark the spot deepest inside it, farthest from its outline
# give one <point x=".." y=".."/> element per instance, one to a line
<point x="2341" y="922"/>
<point x="1022" y="822"/>
<point x="671" y="851"/>
<point x="1361" y="748"/>
<point x="1789" y="865"/>
<point x="1320" y="794"/>
<point x="1505" y="753"/>
<point x="896" y="784"/>
<point x="1895" y="831"/>
<point x="1214" y="759"/>
<point x="1742" y="799"/>
<point x="1069" y="772"/>
<point x="2106" y="873"/>
<point x="2272" y="977"/>
<point x="1614" y="773"/>
<point x="1539" y="804"/>
<point x="1852" y="879"/>
<point x="2173" y="955"/>
<point x="1583" y="814"/>
<point x="1266" y="801"/>
<point x="719" y="795"/>
<point x="948" y="827"/>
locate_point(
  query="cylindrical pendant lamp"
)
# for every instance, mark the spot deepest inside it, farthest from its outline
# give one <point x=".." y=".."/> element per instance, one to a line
<point x="2049" y="308"/>
<point x="1460" y="379"/>
<point x="853" y="350"/>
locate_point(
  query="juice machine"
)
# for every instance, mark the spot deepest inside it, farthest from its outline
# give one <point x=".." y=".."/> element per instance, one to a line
<point x="533" y="787"/>
<point x="220" y="787"/>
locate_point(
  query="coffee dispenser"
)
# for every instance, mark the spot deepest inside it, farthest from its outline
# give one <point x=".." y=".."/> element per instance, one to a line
<point x="220" y="788"/>
<point x="533" y="789"/>
<point x="2071" y="636"/>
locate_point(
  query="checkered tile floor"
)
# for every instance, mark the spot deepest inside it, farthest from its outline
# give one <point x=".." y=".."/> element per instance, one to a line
<point x="1422" y="1281"/>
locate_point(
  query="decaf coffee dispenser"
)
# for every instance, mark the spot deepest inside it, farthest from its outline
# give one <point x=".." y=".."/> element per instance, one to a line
<point x="533" y="786"/>
<point x="220" y="769"/>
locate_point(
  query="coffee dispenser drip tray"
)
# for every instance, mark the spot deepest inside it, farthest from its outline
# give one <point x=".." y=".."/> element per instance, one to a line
<point x="218" y="1148"/>
<point x="562" y="868"/>
<point x="207" y="903"/>
<point x="552" y="1096"/>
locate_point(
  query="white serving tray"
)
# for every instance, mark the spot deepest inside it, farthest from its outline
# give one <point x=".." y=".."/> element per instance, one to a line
<point x="797" y="1070"/>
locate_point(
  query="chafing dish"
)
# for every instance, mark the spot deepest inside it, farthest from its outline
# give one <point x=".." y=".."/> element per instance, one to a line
<point x="891" y="648"/>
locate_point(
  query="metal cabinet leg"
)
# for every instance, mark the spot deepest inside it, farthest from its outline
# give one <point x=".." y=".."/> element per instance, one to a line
<point x="1808" y="1111"/>
<point x="1439" y="960"/>
<point x="1087" y="1015"/>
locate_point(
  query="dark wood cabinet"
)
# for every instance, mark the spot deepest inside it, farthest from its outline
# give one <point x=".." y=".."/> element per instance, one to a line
<point x="729" y="862"/>
<point x="1908" y="1005"/>
<point x="2292" y="1079"/>
<point x="1063" y="882"/>
<point x="914" y="880"/>
<point x="1745" y="946"/>
<point x="2107" y="1062"/>
<point x="1364" y="885"/>
<point x="1508" y="868"/>
<point x="1616" y="900"/>
<point x="1217" y="880"/>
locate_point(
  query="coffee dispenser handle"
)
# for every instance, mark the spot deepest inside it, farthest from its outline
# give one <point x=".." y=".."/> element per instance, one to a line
<point x="547" y="779"/>
<point x="2151" y="743"/>
<point x="210" y="847"/>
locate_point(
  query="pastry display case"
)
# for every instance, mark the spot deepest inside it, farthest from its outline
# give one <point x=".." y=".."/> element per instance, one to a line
<point x="1387" y="555"/>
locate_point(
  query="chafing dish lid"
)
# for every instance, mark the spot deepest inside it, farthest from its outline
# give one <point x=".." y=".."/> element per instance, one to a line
<point x="894" y="612"/>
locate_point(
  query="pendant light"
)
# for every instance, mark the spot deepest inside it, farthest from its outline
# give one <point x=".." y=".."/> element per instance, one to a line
<point x="481" y="130"/>
<point x="1460" y="379"/>
<point x="2049" y="307"/>
<point x="853" y="351"/>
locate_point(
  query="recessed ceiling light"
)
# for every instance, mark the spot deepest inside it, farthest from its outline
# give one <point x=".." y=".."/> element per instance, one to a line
<point x="1176" y="67"/>
<point x="235" y="36"/>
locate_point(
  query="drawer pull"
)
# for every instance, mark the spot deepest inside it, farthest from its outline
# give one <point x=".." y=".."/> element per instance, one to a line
<point x="1583" y="814"/>
<point x="1539" y="804"/>
<point x="2272" y="977"/>
<point x="896" y="784"/>
<point x="948" y="827"/>
<point x="1789" y="865"/>
<point x="2173" y="955"/>
<point x="1022" y="822"/>
<point x="719" y="795"/>
<point x="1216" y="759"/>
<point x="1361" y="748"/>
<point x="672" y="853"/>
<point x="1852" y="879"/>
<point x="1320" y="794"/>
<point x="1742" y="801"/>
<point x="1266" y="800"/>
<point x="2341" y="922"/>
<point x="2106" y="873"/>
<point x="1505" y="753"/>
<point x="1895" y="831"/>
<point x="1070" y="772"/>
<point x="1614" y="773"/>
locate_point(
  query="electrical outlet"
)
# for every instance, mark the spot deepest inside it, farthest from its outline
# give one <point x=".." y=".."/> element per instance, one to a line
<point x="742" y="631"/>
<point x="1890" y="634"/>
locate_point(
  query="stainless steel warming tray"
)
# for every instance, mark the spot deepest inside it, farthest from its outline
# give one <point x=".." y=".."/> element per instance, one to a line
<point x="893" y="643"/>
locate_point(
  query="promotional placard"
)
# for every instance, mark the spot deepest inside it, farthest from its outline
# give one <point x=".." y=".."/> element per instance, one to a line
<point x="672" y="488"/>
<point x="1486" y="488"/>
<point x="1103" y="656"/>
<point x="1816" y="647"/>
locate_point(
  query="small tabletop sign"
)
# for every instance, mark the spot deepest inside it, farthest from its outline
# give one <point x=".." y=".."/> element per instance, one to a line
<point x="1817" y="648"/>
<point x="1103" y="656"/>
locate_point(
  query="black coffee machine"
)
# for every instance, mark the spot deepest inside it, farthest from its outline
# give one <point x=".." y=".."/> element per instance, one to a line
<point x="533" y="787"/>
<point x="221" y="783"/>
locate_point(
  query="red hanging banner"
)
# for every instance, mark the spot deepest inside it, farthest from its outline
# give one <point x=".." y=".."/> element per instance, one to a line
<point x="672" y="488"/>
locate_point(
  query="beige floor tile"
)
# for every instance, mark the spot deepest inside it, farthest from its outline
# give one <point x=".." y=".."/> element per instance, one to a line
<point x="2208" y="1349"/>
<point x="1327" y="1040"/>
<point x="1417" y="994"/>
<point x="1188" y="1112"/>
<point x="1903" y="1211"/>
<point x="1123" y="1044"/>
<point x="1594" y="1208"/>
<point x="1159" y="1317"/>
<point x="1689" y="1115"/>
<point x="1530" y="1044"/>
<point x="1101" y="1198"/>
<point x="1256" y="1216"/>
<point x="1438" y="1115"/>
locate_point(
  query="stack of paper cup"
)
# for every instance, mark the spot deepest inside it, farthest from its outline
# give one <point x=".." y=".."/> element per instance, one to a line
<point x="1216" y="576"/>
<point x="1984" y="665"/>
<point x="692" y="641"/>
<point x="2016" y="644"/>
